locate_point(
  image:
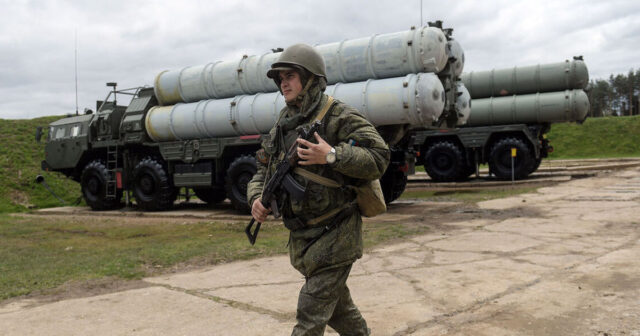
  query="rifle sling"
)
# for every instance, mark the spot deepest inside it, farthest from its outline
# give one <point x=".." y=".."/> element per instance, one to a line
<point x="325" y="108"/>
<point x="342" y="213"/>
<point x="319" y="179"/>
<point x="327" y="182"/>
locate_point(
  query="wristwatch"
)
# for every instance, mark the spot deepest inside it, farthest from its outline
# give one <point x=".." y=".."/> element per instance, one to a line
<point x="331" y="156"/>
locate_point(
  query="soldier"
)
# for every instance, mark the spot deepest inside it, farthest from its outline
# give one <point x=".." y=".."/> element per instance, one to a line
<point x="325" y="226"/>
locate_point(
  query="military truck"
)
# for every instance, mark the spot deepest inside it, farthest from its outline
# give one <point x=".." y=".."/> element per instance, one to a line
<point x="199" y="127"/>
<point x="109" y="152"/>
<point x="512" y="110"/>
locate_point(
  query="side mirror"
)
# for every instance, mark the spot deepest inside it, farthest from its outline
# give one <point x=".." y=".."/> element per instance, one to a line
<point x="38" y="134"/>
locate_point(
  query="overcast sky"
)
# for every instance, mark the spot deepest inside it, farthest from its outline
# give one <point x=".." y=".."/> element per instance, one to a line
<point x="129" y="42"/>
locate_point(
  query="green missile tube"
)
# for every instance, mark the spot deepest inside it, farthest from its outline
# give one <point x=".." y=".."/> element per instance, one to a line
<point x="539" y="108"/>
<point x="567" y="75"/>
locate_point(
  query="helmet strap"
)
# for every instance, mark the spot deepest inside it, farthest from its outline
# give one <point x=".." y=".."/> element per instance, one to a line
<point x="304" y="91"/>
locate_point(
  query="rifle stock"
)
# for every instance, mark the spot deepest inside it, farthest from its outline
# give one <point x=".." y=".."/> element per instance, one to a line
<point x="252" y="235"/>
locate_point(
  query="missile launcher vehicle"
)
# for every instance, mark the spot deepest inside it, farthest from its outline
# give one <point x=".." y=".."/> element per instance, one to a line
<point x="199" y="127"/>
<point x="512" y="109"/>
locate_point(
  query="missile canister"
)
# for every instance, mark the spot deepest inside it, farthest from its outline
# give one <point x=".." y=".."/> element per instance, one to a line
<point x="552" y="77"/>
<point x="377" y="56"/>
<point x="416" y="99"/>
<point x="456" y="52"/>
<point x="463" y="104"/>
<point x="542" y="108"/>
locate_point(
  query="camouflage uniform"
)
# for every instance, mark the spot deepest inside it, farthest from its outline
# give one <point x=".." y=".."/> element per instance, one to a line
<point x="325" y="261"/>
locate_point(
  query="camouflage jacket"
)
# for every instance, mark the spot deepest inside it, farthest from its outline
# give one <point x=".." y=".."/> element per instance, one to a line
<point x="361" y="155"/>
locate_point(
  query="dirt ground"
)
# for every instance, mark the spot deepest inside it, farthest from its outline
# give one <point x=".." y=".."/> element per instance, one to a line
<point x="559" y="261"/>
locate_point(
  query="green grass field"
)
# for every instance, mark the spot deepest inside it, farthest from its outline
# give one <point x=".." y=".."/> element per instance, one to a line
<point x="39" y="253"/>
<point x="20" y="158"/>
<point x="596" y="138"/>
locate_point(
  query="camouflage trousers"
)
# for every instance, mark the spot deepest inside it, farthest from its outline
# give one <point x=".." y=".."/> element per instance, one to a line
<point x="325" y="299"/>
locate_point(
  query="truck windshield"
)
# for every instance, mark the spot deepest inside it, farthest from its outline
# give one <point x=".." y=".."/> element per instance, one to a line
<point x="59" y="132"/>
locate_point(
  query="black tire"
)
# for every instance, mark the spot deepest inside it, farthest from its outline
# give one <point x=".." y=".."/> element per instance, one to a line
<point x="536" y="165"/>
<point x="152" y="186"/>
<point x="444" y="161"/>
<point x="213" y="195"/>
<point x="467" y="171"/>
<point x="239" y="173"/>
<point x="500" y="159"/>
<point x="93" y="183"/>
<point x="393" y="183"/>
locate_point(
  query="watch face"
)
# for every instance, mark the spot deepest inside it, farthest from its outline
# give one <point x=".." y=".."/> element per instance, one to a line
<point x="331" y="157"/>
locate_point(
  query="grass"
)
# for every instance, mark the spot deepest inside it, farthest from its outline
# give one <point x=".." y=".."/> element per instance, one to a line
<point x="40" y="253"/>
<point x="596" y="138"/>
<point x="20" y="158"/>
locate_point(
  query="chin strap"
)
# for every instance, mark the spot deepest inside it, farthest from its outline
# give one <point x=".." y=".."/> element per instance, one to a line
<point x="304" y="91"/>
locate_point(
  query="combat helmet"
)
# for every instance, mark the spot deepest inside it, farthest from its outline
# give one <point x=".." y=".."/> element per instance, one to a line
<point x="299" y="56"/>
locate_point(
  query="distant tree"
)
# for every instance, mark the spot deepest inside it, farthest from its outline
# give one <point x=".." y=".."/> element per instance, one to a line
<point x="632" y="84"/>
<point x="625" y="88"/>
<point x="601" y="96"/>
<point x="619" y="85"/>
<point x="636" y="91"/>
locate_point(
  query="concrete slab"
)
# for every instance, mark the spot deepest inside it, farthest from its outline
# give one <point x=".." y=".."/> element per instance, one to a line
<point x="552" y="260"/>
<point x="271" y="270"/>
<point x="147" y="311"/>
<point x="390" y="263"/>
<point x="557" y="227"/>
<point x="398" y="302"/>
<point x="282" y="298"/>
<point x="482" y="241"/>
<point x="452" y="258"/>
<point x="455" y="287"/>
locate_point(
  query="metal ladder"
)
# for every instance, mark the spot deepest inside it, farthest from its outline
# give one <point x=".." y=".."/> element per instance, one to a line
<point x="112" y="165"/>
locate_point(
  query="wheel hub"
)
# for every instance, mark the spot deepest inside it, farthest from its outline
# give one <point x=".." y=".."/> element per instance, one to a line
<point x="146" y="184"/>
<point x="93" y="186"/>
<point x="243" y="182"/>
<point x="443" y="162"/>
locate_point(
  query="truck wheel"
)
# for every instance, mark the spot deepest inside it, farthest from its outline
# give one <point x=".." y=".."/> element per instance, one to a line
<point x="151" y="186"/>
<point x="467" y="171"/>
<point x="393" y="183"/>
<point x="239" y="173"/>
<point x="500" y="159"/>
<point x="213" y="195"/>
<point x="536" y="165"/>
<point x="93" y="183"/>
<point x="444" y="161"/>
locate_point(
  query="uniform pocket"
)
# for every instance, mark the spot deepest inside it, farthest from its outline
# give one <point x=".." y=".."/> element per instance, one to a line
<point x="317" y="200"/>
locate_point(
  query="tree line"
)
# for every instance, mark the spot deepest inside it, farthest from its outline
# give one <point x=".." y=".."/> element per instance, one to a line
<point x="617" y="96"/>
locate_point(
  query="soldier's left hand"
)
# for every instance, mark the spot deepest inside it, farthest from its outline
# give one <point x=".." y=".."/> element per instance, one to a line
<point x="310" y="153"/>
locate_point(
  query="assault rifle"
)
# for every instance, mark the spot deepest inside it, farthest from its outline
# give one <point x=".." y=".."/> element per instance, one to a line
<point x="282" y="179"/>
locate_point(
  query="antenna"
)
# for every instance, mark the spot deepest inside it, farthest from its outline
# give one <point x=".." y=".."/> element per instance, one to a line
<point x="420" y="14"/>
<point x="76" y="69"/>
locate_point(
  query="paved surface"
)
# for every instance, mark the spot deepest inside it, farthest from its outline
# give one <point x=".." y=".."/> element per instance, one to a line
<point x="565" y="263"/>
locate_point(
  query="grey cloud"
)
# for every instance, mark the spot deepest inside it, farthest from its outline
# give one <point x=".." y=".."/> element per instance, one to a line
<point x="130" y="42"/>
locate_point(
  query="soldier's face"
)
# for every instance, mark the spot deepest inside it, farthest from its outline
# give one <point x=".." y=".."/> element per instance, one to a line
<point x="290" y="85"/>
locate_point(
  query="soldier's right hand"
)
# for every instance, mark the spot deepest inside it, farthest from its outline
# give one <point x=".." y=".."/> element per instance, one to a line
<point x="258" y="211"/>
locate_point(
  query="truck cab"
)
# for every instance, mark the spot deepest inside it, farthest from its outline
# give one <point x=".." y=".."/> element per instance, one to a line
<point x="67" y="140"/>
